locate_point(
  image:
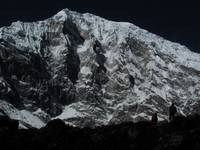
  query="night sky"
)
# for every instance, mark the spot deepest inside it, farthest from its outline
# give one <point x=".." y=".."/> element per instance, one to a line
<point x="177" y="21"/>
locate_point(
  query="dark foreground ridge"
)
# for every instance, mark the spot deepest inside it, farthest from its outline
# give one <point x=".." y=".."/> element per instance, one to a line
<point x="182" y="133"/>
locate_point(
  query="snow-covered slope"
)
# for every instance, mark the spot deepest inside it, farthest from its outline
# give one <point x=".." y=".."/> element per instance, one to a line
<point x="26" y="118"/>
<point x="90" y="71"/>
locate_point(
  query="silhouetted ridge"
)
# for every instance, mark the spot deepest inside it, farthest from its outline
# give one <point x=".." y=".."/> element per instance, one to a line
<point x="182" y="133"/>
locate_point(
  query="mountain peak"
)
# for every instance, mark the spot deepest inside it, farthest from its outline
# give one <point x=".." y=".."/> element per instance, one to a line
<point x="90" y="71"/>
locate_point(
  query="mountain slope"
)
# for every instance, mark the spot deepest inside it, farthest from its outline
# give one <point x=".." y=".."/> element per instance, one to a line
<point x="90" y="71"/>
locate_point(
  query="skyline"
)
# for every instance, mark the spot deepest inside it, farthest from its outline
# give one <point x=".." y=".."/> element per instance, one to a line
<point x="175" y="21"/>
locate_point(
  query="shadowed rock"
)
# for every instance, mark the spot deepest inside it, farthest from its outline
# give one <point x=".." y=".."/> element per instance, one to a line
<point x="7" y="123"/>
<point x="183" y="132"/>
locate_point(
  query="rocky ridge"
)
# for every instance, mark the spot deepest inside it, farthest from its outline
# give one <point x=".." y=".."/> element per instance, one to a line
<point x="89" y="71"/>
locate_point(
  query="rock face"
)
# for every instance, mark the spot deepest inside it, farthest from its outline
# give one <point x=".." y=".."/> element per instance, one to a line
<point x="89" y="71"/>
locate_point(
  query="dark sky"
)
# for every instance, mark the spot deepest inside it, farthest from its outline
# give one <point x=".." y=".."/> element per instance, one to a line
<point x="177" y="21"/>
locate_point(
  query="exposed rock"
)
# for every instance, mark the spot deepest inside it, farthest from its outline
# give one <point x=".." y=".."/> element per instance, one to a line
<point x="90" y="71"/>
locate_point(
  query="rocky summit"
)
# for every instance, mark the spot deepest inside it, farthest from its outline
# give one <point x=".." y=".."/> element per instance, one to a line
<point x="89" y="72"/>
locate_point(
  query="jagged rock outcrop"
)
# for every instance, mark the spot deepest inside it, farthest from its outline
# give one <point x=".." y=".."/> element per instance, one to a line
<point x="89" y="71"/>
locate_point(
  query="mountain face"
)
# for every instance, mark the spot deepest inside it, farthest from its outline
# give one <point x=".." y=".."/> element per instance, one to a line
<point x="89" y="71"/>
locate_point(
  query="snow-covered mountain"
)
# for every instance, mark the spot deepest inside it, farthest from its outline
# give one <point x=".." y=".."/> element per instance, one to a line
<point x="89" y="71"/>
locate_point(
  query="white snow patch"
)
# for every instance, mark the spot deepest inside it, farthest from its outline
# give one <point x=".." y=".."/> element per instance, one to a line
<point x="23" y="115"/>
<point x="29" y="118"/>
<point x="69" y="112"/>
<point x="85" y="70"/>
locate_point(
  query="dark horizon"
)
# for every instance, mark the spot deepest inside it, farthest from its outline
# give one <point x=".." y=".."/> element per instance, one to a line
<point x="175" y="21"/>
